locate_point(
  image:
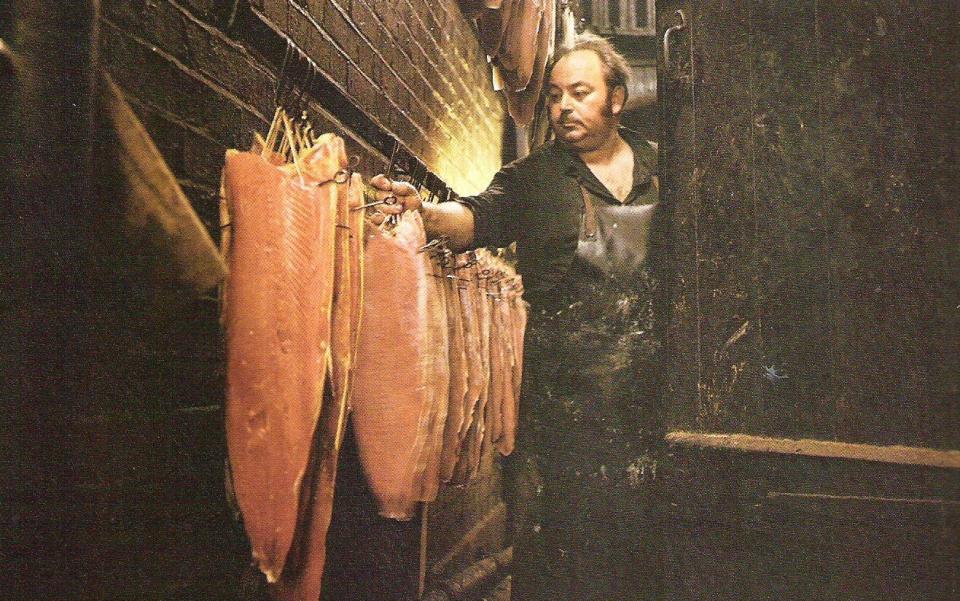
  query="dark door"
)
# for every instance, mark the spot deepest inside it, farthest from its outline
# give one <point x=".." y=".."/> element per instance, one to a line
<point x="808" y="169"/>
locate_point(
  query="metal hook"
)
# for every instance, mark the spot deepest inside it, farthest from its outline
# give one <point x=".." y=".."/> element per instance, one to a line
<point x="303" y="100"/>
<point x="417" y="175"/>
<point x="391" y="198"/>
<point x="440" y="241"/>
<point x="287" y="84"/>
<point x="283" y="71"/>
<point x="393" y="159"/>
<point x="469" y="262"/>
<point x="296" y="80"/>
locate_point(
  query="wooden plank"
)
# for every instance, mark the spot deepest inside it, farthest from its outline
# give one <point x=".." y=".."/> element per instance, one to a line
<point x="466" y="582"/>
<point x="805" y="168"/>
<point x="816" y="497"/>
<point x="155" y="203"/>
<point x="903" y="455"/>
<point x="498" y="513"/>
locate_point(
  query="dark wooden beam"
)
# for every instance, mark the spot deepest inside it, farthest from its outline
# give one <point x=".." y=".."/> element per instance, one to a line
<point x="898" y="454"/>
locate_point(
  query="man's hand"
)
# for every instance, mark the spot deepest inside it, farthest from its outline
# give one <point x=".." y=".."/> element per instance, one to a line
<point x="405" y="195"/>
<point x="450" y="219"/>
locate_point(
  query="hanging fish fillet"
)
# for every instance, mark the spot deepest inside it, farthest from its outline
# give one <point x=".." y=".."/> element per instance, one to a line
<point x="523" y="104"/>
<point x="491" y="408"/>
<point x="512" y="316"/>
<point x="437" y="364"/>
<point x="342" y="318"/>
<point x="391" y="393"/>
<point x="471" y="328"/>
<point x="469" y="459"/>
<point x="277" y="316"/>
<point x="519" y="313"/>
<point x="459" y="374"/>
<point x="505" y="441"/>
<point x="497" y="366"/>
<point x="518" y="51"/>
<point x="304" y="581"/>
<point x="492" y="26"/>
<point x="358" y="224"/>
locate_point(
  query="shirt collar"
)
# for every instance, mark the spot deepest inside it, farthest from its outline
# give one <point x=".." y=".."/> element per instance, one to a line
<point x="576" y="168"/>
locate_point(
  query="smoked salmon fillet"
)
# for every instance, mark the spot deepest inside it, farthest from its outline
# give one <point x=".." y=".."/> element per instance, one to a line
<point x="437" y="365"/>
<point x="497" y="368"/>
<point x="277" y="318"/>
<point x="459" y="374"/>
<point x="513" y="320"/>
<point x="522" y="105"/>
<point x="304" y="581"/>
<point x="519" y="313"/>
<point x="391" y="392"/>
<point x="518" y="49"/>
<point x="476" y="380"/>
<point x="505" y="441"/>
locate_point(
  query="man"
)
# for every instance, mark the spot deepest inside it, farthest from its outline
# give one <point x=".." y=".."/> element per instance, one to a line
<point x="579" y="209"/>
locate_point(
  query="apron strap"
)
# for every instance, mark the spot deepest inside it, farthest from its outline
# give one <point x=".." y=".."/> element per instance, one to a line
<point x="589" y="227"/>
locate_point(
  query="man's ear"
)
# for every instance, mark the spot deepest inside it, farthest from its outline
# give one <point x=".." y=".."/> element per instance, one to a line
<point x="617" y="99"/>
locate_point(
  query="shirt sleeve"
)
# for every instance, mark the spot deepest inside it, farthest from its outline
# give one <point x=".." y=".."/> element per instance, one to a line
<point x="496" y="210"/>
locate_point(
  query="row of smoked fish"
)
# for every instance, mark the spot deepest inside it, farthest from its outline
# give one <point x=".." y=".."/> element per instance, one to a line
<point x="518" y="36"/>
<point x="333" y="313"/>
<point x="439" y="364"/>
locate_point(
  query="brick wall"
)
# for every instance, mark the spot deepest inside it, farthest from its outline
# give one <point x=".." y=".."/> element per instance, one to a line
<point x="415" y="67"/>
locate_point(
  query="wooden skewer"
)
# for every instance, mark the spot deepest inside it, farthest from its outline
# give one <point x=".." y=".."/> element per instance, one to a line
<point x="271" y="140"/>
<point x="288" y="133"/>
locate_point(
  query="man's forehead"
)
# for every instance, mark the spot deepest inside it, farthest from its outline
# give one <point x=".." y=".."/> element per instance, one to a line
<point x="579" y="66"/>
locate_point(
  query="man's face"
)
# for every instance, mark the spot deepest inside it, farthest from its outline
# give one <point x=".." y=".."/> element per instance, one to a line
<point x="582" y="112"/>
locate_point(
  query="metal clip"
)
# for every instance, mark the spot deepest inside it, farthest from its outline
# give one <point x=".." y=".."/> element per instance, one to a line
<point x="435" y="243"/>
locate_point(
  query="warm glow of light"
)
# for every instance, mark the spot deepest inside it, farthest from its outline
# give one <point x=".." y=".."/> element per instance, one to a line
<point x="468" y="161"/>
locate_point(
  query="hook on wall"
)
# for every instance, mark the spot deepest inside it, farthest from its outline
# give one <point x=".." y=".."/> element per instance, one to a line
<point x="305" y="84"/>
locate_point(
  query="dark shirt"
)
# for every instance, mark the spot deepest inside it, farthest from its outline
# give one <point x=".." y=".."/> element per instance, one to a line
<point x="537" y="202"/>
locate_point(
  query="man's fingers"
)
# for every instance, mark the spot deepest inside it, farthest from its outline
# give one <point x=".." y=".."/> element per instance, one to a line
<point x="396" y="196"/>
<point x="403" y="189"/>
<point x="381" y="182"/>
<point x="385" y="184"/>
